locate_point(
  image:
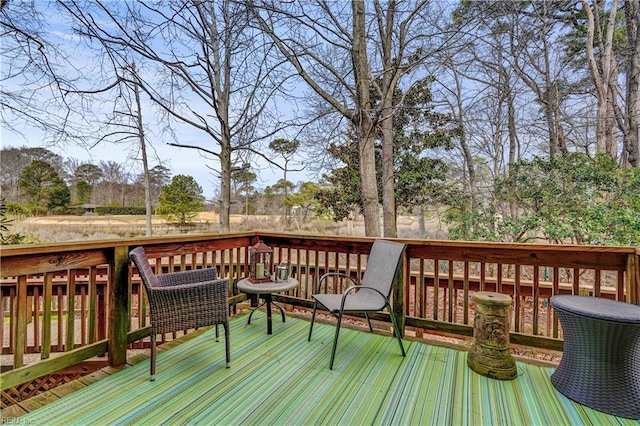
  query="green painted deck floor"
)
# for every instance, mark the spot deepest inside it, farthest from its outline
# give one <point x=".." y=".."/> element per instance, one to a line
<point x="283" y="379"/>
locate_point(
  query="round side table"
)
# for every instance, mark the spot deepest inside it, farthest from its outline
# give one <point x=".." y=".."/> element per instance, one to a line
<point x="267" y="290"/>
<point x="600" y="365"/>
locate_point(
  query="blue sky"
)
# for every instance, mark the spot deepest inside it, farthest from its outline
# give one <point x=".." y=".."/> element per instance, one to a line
<point x="178" y="160"/>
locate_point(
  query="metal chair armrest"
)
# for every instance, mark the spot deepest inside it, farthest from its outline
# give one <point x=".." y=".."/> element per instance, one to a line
<point x="332" y="274"/>
<point x="349" y="290"/>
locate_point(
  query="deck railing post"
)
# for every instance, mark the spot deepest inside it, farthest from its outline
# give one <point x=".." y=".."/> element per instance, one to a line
<point x="633" y="278"/>
<point x="398" y="294"/>
<point x="118" y="306"/>
<point x="20" y="333"/>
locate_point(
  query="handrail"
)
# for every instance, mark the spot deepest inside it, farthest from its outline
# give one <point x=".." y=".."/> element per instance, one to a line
<point x="66" y="296"/>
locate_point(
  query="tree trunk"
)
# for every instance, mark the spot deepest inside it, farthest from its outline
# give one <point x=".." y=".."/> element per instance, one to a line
<point x="388" y="179"/>
<point x="466" y="150"/>
<point x="386" y="126"/>
<point x="632" y="136"/>
<point x="225" y="186"/>
<point x="601" y="79"/>
<point x="369" y="185"/>
<point x="145" y="162"/>
<point x="364" y="124"/>
<point x="422" y="228"/>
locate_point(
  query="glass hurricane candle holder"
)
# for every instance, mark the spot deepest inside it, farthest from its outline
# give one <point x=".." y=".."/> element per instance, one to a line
<point x="260" y="258"/>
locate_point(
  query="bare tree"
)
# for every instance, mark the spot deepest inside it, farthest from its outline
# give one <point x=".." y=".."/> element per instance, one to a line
<point x="212" y="73"/>
<point x="114" y="177"/>
<point x="140" y="133"/>
<point x="604" y="71"/>
<point x="36" y="73"/>
<point x="632" y="134"/>
<point x="330" y="45"/>
<point x="403" y="33"/>
<point x="286" y="149"/>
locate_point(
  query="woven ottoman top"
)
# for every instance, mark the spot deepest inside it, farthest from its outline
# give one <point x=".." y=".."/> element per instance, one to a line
<point x="597" y="307"/>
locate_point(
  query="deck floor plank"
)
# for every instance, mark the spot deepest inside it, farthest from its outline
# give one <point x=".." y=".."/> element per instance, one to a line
<point x="283" y="379"/>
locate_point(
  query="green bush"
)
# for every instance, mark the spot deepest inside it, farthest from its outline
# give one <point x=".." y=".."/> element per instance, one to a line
<point x="7" y="237"/>
<point x="15" y="209"/>
<point x="114" y="210"/>
<point x="76" y="211"/>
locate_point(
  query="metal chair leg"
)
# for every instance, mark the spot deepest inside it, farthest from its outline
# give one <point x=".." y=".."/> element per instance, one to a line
<point x="396" y="330"/>
<point x="335" y="341"/>
<point x="313" y="317"/>
<point x="369" y="321"/>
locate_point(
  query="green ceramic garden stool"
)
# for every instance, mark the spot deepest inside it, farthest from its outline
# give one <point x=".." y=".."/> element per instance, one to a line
<point x="490" y="355"/>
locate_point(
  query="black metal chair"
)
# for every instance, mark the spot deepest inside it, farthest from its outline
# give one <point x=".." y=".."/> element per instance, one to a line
<point x="370" y="295"/>
<point x="183" y="300"/>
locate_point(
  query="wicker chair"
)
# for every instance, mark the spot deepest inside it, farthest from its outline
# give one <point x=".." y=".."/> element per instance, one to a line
<point x="183" y="300"/>
<point x="371" y="295"/>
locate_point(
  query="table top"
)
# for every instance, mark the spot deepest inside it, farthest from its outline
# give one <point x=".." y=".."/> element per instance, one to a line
<point x="598" y="307"/>
<point x="491" y="298"/>
<point x="247" y="286"/>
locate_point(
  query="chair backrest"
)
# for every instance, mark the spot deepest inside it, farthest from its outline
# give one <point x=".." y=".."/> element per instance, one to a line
<point x="139" y="258"/>
<point x="383" y="263"/>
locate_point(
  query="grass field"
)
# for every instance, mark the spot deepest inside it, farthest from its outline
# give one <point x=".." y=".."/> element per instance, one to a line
<point x="78" y="228"/>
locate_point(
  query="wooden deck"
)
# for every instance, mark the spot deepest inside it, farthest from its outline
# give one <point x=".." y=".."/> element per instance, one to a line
<point x="283" y="379"/>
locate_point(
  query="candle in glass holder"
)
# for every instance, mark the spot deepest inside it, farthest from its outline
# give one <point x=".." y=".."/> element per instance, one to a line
<point x="259" y="271"/>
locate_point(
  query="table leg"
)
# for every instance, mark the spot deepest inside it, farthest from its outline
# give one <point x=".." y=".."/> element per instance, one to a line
<point x="281" y="310"/>
<point x="252" y="311"/>
<point x="267" y="299"/>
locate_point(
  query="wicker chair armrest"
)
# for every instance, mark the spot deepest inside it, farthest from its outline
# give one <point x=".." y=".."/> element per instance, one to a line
<point x="187" y="277"/>
<point x="188" y="306"/>
<point x="217" y="284"/>
<point x="332" y="274"/>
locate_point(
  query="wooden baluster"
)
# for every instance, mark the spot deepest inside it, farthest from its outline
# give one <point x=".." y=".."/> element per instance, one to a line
<point x="306" y="282"/>
<point x="465" y="285"/>
<point x="20" y="332"/>
<point x="518" y="301"/>
<point x="536" y="298"/>
<point x="71" y="310"/>
<point x="3" y="300"/>
<point x="620" y="288"/>
<point x="36" y="319"/>
<point x="436" y="288"/>
<point x="92" y="293"/>
<point x="556" y="290"/>
<point x="450" y="292"/>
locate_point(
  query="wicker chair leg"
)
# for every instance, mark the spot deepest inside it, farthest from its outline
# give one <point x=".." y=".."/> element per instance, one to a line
<point x="153" y="357"/>
<point x="217" y="333"/>
<point x="226" y="343"/>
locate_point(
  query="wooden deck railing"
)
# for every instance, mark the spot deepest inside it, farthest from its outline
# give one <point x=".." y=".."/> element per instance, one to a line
<point x="83" y="299"/>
